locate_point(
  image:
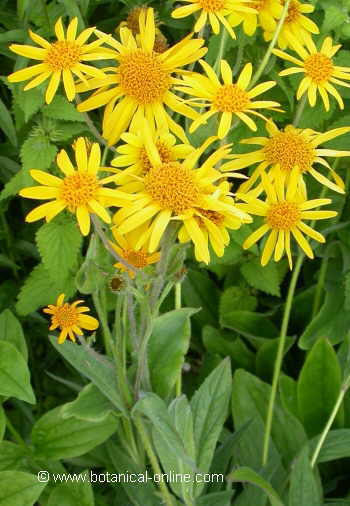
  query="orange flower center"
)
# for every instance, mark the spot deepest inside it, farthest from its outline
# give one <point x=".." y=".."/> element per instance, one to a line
<point x="136" y="258"/>
<point x="172" y="186"/>
<point x="289" y="149"/>
<point x="143" y="77"/>
<point x="293" y="13"/>
<point x="213" y="216"/>
<point x="212" y="5"/>
<point x="164" y="153"/>
<point x="283" y="215"/>
<point x="231" y="98"/>
<point x="65" y="316"/>
<point x="318" y="67"/>
<point x="79" y="189"/>
<point x="62" y="55"/>
<point x="132" y="21"/>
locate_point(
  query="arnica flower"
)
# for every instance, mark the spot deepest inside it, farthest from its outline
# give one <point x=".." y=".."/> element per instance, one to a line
<point x="142" y="82"/>
<point x="216" y="10"/>
<point x="228" y="99"/>
<point x="284" y="212"/>
<point x="291" y="148"/>
<point x="174" y="190"/>
<point x="214" y="225"/>
<point x="80" y="191"/>
<point x="133" y="153"/>
<point x="319" y="71"/>
<point x="70" y="319"/>
<point x="265" y="15"/>
<point x="60" y="59"/>
<point x="126" y="248"/>
<point x="296" y="25"/>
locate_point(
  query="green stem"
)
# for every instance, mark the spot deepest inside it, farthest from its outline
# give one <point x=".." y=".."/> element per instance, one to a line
<point x="266" y="58"/>
<point x="107" y="336"/>
<point x="104" y="155"/>
<point x="279" y="357"/>
<point x="178" y="386"/>
<point x="221" y="52"/>
<point x="300" y="110"/>
<point x="319" y="287"/>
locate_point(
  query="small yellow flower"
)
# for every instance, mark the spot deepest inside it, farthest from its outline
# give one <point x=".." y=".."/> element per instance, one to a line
<point x="217" y="12"/>
<point x="284" y="212"/>
<point x="126" y="248"/>
<point x="296" y="25"/>
<point x="318" y="69"/>
<point x="70" y="319"/>
<point x="80" y="191"/>
<point x="141" y="84"/>
<point x="228" y="99"/>
<point x="291" y="148"/>
<point x="61" y="59"/>
<point x="265" y="15"/>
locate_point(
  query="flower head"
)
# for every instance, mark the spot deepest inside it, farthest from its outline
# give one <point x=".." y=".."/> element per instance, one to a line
<point x="79" y="191"/>
<point x="63" y="58"/>
<point x="291" y="148"/>
<point x="265" y="15"/>
<point x="217" y="12"/>
<point x="296" y="25"/>
<point x="319" y="71"/>
<point x="284" y="212"/>
<point x="70" y="318"/>
<point x="142" y="83"/>
<point x="228" y="99"/>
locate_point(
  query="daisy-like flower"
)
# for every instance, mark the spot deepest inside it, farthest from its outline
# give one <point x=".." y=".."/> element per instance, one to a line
<point x="291" y="148"/>
<point x="319" y="71"/>
<point x="284" y="212"/>
<point x="214" y="225"/>
<point x="70" y="319"/>
<point x="80" y="191"/>
<point x="228" y="99"/>
<point x="126" y="248"/>
<point x="142" y="82"/>
<point x="133" y="153"/>
<point x="296" y="25"/>
<point x="63" y="58"/>
<point x="216" y="10"/>
<point x="174" y="190"/>
<point x="265" y="15"/>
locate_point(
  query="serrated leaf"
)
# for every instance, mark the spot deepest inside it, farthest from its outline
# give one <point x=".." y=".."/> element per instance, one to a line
<point x="37" y="153"/>
<point x="19" y="489"/>
<point x="14" y="374"/>
<point x="61" y="109"/>
<point x="59" y="243"/>
<point x="266" y="278"/>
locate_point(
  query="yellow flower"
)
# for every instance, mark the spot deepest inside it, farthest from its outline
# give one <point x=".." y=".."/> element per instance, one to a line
<point x="133" y="153"/>
<point x="286" y="149"/>
<point x="174" y="190"/>
<point x="214" y="225"/>
<point x="284" y="212"/>
<point x="126" y="248"/>
<point x="80" y="191"/>
<point x="70" y="319"/>
<point x="141" y="85"/>
<point x="265" y="15"/>
<point x="216" y="10"/>
<point x="296" y="25"/>
<point x="61" y="59"/>
<point x="228" y="99"/>
<point x="318" y="69"/>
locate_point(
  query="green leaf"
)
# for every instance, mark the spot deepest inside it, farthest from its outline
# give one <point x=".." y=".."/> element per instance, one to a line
<point x="55" y="437"/>
<point x="237" y="298"/>
<point x="2" y="422"/>
<point x="39" y="290"/>
<point x="37" y="153"/>
<point x="61" y="109"/>
<point x="29" y="101"/>
<point x="318" y="387"/>
<point x="199" y="291"/>
<point x="167" y="348"/>
<point x="303" y="486"/>
<point x="209" y="407"/>
<point x="59" y="243"/>
<point x="217" y="498"/>
<point x="256" y="327"/>
<point x="245" y="474"/>
<point x="14" y="374"/>
<point x="347" y="292"/>
<point x="90" y="405"/>
<point x="266" y="357"/>
<point x="97" y="368"/>
<point x="11" y="331"/>
<point x="6" y="124"/>
<point x="265" y="278"/>
<point x="336" y="445"/>
<point x="16" y="183"/>
<point x="12" y="456"/>
<point x="289" y="394"/>
<point x="72" y="493"/>
<point x="334" y="18"/>
<point x="19" y="489"/>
